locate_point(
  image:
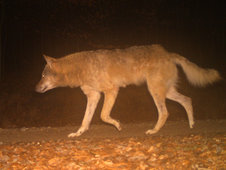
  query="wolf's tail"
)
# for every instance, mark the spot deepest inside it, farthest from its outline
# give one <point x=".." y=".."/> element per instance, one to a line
<point x="196" y="75"/>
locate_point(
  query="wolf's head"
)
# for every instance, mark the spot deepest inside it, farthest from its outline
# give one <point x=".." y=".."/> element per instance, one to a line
<point x="51" y="78"/>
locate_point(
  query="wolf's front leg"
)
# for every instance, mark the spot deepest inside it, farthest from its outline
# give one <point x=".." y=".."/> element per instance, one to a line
<point x="92" y="100"/>
<point x="109" y="100"/>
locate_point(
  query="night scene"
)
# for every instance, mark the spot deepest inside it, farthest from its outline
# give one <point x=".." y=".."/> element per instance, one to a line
<point x="112" y="84"/>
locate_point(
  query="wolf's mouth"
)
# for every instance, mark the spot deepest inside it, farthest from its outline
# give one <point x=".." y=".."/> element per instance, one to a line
<point x="44" y="89"/>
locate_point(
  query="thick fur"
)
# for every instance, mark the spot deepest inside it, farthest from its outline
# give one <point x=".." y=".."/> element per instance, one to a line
<point x="195" y="74"/>
<point x="108" y="70"/>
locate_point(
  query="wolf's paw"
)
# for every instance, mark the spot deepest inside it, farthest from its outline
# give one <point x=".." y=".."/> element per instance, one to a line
<point x="71" y="135"/>
<point x="151" y="131"/>
<point x="78" y="133"/>
<point x="191" y="124"/>
<point x="118" y="126"/>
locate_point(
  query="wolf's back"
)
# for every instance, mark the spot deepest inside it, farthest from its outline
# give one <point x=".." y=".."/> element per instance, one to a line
<point x="196" y="75"/>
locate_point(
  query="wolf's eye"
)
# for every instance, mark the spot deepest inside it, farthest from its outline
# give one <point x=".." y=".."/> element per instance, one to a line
<point x="43" y="75"/>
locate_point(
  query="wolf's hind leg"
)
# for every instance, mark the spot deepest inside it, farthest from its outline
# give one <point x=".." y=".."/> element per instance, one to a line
<point x="109" y="100"/>
<point x="92" y="100"/>
<point x="184" y="101"/>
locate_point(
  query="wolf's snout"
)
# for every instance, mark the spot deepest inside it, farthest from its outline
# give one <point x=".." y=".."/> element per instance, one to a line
<point x="40" y="89"/>
<point x="44" y="86"/>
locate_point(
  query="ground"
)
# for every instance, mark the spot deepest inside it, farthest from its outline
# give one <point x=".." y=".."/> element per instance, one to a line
<point x="175" y="146"/>
<point x="98" y="131"/>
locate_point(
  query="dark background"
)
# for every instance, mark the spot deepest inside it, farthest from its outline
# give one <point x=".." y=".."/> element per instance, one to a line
<point x="192" y="28"/>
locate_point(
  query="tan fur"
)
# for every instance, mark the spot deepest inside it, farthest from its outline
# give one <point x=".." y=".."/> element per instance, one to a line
<point x="196" y="75"/>
<point x="108" y="70"/>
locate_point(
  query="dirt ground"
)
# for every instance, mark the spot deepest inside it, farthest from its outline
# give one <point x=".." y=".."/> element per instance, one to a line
<point x="98" y="131"/>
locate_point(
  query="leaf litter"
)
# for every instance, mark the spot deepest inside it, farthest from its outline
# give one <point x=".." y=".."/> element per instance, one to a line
<point x="156" y="152"/>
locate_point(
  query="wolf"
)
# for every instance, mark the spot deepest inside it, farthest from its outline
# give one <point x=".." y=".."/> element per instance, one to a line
<point x="105" y="71"/>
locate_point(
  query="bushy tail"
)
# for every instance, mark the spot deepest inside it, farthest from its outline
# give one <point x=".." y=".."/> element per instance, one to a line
<point x="196" y="75"/>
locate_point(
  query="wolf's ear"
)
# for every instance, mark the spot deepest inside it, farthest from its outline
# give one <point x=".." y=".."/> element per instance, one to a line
<point x="49" y="60"/>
